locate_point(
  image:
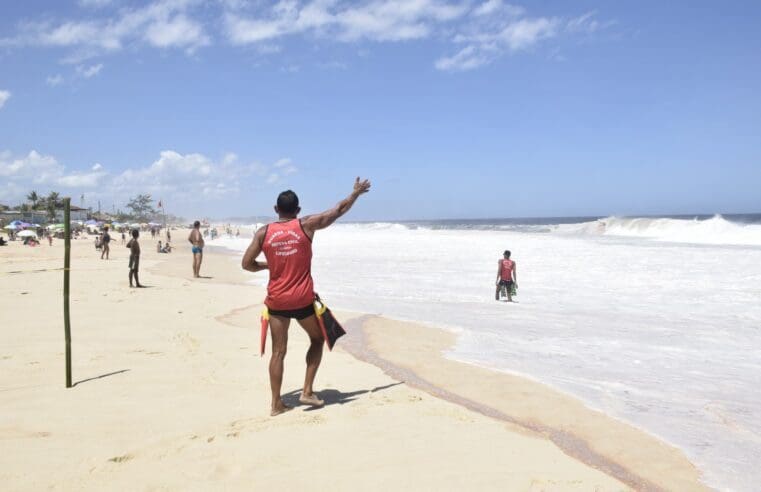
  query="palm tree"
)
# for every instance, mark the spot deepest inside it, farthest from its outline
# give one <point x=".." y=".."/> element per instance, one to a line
<point x="34" y="198"/>
<point x="51" y="203"/>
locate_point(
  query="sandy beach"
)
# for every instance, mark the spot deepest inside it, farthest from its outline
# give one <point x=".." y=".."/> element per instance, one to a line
<point x="171" y="394"/>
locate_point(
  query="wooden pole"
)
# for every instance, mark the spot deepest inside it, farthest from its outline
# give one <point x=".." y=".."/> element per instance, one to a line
<point x="66" y="263"/>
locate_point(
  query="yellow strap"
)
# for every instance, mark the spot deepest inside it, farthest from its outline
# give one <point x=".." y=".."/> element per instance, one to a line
<point x="319" y="308"/>
<point x="265" y="313"/>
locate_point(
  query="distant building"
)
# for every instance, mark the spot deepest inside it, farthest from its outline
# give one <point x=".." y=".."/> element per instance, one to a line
<point x="77" y="213"/>
<point x="32" y="216"/>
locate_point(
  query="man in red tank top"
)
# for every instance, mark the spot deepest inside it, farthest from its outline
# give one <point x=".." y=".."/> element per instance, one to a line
<point x="507" y="276"/>
<point x="287" y="246"/>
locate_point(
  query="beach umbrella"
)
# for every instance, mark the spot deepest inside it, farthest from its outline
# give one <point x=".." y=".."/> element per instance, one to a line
<point x="91" y="222"/>
<point x="16" y="223"/>
<point x="26" y="224"/>
<point x="11" y="227"/>
<point x="27" y="234"/>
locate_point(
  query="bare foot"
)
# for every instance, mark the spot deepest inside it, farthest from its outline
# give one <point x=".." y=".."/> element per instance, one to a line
<point x="279" y="408"/>
<point x="311" y="400"/>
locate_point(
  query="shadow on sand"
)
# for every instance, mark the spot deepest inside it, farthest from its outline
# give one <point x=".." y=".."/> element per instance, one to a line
<point x="332" y="396"/>
<point x="100" y="377"/>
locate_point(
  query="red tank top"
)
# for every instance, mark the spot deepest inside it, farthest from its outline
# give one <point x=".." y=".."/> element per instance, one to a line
<point x="507" y="270"/>
<point x="289" y="257"/>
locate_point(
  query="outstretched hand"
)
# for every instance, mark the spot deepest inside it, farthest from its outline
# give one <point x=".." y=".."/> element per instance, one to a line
<point x="361" y="187"/>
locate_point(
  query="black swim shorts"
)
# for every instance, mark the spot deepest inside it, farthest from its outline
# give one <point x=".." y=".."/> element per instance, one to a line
<point x="298" y="314"/>
<point x="506" y="283"/>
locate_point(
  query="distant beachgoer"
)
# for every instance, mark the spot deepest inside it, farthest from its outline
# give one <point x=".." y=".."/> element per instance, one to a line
<point x="196" y="239"/>
<point x="134" y="258"/>
<point x="167" y="248"/>
<point x="50" y="238"/>
<point x="168" y="235"/>
<point x="123" y="238"/>
<point x="507" y="276"/>
<point x="158" y="248"/>
<point x="287" y="246"/>
<point x="105" y="243"/>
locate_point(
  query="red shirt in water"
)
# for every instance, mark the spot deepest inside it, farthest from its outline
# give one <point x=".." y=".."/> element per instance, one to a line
<point x="289" y="256"/>
<point x="506" y="272"/>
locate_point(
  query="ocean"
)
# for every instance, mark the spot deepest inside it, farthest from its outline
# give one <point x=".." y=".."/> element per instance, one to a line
<point x="653" y="320"/>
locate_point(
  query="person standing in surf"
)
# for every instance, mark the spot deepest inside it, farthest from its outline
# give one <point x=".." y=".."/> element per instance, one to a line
<point x="507" y="276"/>
<point x="287" y="247"/>
<point x="196" y="239"/>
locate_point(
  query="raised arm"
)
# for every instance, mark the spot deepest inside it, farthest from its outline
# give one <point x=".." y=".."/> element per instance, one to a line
<point x="322" y="220"/>
<point x="254" y="249"/>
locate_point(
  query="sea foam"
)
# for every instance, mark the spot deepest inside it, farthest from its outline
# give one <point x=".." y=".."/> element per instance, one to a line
<point x="664" y="335"/>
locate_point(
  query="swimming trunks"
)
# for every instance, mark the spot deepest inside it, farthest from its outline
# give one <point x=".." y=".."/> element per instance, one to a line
<point x="196" y="250"/>
<point x="506" y="283"/>
<point x="298" y="314"/>
<point x="134" y="262"/>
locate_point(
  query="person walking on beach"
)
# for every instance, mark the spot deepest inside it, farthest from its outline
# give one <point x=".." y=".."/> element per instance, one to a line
<point x="134" y="258"/>
<point x="287" y="247"/>
<point x="196" y="239"/>
<point x="105" y="241"/>
<point x="507" y="276"/>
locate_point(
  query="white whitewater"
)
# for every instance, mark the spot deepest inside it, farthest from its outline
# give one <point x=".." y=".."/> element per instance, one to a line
<point x="664" y="335"/>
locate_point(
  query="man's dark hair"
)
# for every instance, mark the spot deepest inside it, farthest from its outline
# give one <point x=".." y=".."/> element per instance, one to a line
<point x="135" y="233"/>
<point x="507" y="253"/>
<point x="197" y="224"/>
<point x="287" y="202"/>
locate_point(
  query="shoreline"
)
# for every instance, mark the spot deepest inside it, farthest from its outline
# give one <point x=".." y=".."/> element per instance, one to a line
<point x="377" y="343"/>
<point x="160" y="370"/>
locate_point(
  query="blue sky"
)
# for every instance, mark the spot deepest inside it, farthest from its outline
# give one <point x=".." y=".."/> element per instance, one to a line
<point x="454" y="109"/>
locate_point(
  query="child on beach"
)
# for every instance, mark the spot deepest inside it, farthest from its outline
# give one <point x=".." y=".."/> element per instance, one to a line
<point x="134" y="257"/>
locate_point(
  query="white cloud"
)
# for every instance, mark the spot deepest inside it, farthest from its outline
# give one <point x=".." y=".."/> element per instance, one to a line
<point x="160" y="23"/>
<point x="378" y="20"/>
<point x="477" y="31"/>
<point x="54" y="80"/>
<point x="179" y="31"/>
<point x="34" y="166"/>
<point x="489" y="37"/>
<point x="90" y="71"/>
<point x="467" y="58"/>
<point x="36" y="169"/>
<point x="4" y="96"/>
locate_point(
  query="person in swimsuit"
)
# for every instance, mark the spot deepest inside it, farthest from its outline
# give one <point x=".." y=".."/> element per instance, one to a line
<point x="196" y="239"/>
<point x="134" y="258"/>
<point x="507" y="275"/>
<point x="106" y="241"/>
<point x="287" y="247"/>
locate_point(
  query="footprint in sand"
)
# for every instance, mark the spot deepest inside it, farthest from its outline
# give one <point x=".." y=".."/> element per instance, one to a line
<point x="121" y="459"/>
